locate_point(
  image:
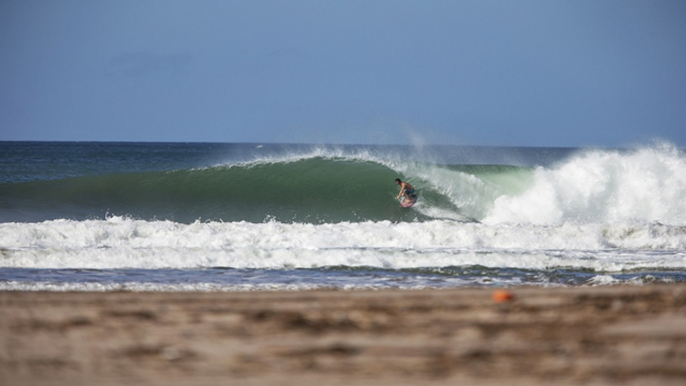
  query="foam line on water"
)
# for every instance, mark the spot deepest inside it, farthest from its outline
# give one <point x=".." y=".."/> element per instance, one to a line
<point x="120" y="243"/>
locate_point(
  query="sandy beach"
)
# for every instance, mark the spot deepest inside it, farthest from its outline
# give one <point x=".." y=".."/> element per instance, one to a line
<point x="581" y="335"/>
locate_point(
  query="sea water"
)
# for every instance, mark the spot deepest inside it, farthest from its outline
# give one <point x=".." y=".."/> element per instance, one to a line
<point x="238" y="217"/>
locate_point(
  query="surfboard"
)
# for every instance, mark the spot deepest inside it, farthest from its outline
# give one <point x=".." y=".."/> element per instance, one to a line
<point x="405" y="203"/>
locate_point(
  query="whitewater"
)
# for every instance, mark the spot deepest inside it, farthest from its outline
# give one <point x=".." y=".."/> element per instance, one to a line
<point x="234" y="217"/>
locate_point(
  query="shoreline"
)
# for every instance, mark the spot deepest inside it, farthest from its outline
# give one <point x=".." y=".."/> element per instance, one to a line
<point x="566" y="335"/>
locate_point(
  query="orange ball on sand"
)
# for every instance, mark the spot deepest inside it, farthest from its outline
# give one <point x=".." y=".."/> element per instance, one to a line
<point x="501" y="296"/>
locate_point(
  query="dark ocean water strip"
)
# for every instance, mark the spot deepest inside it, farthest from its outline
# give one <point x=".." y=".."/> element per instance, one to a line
<point x="333" y="277"/>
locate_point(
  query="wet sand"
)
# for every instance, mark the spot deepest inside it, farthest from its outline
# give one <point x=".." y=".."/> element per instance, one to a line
<point x="600" y="335"/>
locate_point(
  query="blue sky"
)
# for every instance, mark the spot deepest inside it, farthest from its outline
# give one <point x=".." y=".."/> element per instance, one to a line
<point x="514" y="73"/>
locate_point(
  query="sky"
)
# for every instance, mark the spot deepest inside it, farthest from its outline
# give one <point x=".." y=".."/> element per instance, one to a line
<point x="480" y="72"/>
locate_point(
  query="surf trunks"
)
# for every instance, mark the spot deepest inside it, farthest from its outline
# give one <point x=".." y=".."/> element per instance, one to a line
<point x="409" y="191"/>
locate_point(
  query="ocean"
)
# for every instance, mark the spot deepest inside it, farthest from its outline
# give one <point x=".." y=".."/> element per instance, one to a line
<point x="239" y="217"/>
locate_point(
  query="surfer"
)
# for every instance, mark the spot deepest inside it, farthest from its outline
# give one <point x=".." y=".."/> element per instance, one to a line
<point x="405" y="189"/>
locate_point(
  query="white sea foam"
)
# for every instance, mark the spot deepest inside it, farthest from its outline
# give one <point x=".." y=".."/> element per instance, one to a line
<point x="126" y="243"/>
<point x="214" y="287"/>
<point x="157" y="287"/>
<point x="602" y="186"/>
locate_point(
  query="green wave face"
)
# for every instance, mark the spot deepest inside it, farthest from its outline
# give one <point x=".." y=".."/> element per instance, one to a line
<point x="311" y="190"/>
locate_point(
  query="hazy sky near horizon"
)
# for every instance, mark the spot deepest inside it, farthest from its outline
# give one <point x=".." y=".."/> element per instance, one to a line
<point x="513" y="73"/>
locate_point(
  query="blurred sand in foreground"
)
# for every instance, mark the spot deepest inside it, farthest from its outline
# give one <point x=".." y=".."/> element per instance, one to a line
<point x="582" y="335"/>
